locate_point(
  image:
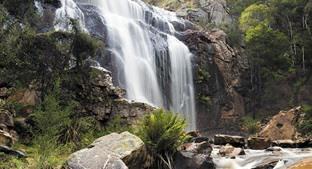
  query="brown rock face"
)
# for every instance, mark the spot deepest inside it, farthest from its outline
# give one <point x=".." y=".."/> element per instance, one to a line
<point x="282" y="126"/>
<point x="217" y="73"/>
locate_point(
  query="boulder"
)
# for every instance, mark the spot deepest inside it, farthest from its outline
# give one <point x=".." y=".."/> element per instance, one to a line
<point x="230" y="151"/>
<point x="198" y="148"/>
<point x="236" y="141"/>
<point x="189" y="160"/>
<point x="258" y="143"/>
<point x="113" y="151"/>
<point x="6" y="138"/>
<point x="282" y="126"/>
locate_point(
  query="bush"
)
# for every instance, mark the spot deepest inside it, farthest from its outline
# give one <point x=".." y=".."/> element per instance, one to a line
<point x="250" y="124"/>
<point x="162" y="133"/>
<point x="305" y="126"/>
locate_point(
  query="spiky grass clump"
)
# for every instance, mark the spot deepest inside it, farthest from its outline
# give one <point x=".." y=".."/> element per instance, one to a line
<point x="162" y="132"/>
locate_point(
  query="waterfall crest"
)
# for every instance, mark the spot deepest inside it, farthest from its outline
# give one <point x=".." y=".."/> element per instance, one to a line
<point x="152" y="64"/>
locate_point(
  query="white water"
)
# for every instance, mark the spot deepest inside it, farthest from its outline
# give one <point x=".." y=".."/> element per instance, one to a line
<point x="68" y="10"/>
<point x="131" y="26"/>
<point x="255" y="158"/>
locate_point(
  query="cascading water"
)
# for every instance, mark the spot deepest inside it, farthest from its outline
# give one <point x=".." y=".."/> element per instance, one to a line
<point x="69" y="10"/>
<point x="152" y="64"/>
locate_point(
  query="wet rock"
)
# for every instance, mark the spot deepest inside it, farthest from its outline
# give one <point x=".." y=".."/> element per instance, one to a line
<point x="189" y="160"/>
<point x="10" y="151"/>
<point x="304" y="143"/>
<point x="285" y="143"/>
<point x="274" y="149"/>
<point x="269" y="165"/>
<point x="236" y="141"/>
<point x="6" y="138"/>
<point x="282" y="126"/>
<point x="110" y="151"/>
<point x="230" y="151"/>
<point x="258" y="143"/>
<point x="200" y="139"/>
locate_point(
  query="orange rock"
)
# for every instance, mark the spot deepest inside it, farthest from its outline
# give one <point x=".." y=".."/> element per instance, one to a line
<point x="282" y="126"/>
<point x="304" y="164"/>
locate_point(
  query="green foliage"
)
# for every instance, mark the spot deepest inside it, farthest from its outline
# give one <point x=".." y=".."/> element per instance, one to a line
<point x="250" y="124"/>
<point x="84" y="45"/>
<point x="254" y="15"/>
<point x="162" y="133"/>
<point x="305" y="126"/>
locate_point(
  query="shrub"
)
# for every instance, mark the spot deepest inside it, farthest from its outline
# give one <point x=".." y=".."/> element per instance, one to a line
<point x="305" y="126"/>
<point x="250" y="124"/>
<point x="162" y="133"/>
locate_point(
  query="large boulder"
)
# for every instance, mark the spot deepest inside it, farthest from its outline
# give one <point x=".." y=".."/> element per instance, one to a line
<point x="282" y="126"/>
<point x="113" y="151"/>
<point x="237" y="141"/>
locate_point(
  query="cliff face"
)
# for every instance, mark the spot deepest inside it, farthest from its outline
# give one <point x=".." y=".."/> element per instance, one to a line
<point x="218" y="71"/>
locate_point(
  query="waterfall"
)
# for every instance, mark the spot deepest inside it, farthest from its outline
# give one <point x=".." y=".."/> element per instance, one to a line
<point x="68" y="10"/>
<point x="152" y="64"/>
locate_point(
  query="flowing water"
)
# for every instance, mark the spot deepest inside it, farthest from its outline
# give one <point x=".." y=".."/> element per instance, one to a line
<point x="68" y="10"/>
<point x="255" y="158"/>
<point x="152" y="64"/>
